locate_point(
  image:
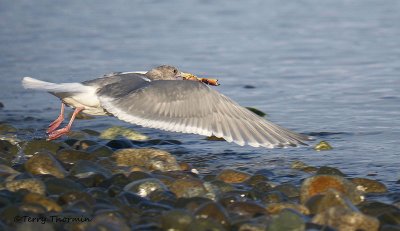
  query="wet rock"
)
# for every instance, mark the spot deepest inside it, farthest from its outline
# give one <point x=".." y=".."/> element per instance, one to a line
<point x="44" y="163"/>
<point x="252" y="226"/>
<point x="145" y="186"/>
<point x="161" y="196"/>
<point x="344" y="219"/>
<point x="233" y="176"/>
<point x="322" y="146"/>
<point x="91" y="132"/>
<point x="31" y="185"/>
<point x="47" y="203"/>
<point x="8" y="150"/>
<point x="376" y="208"/>
<point x="59" y="186"/>
<point x="389" y="228"/>
<point x="70" y="156"/>
<point x="191" y="204"/>
<point x="256" y="111"/>
<point x="256" y="179"/>
<point x="214" y="138"/>
<point x="99" y="151"/>
<point x="31" y="147"/>
<point x="176" y="219"/>
<point x="83" y="144"/>
<point x="288" y="190"/>
<point x="273" y="197"/>
<point x="92" y="180"/>
<point x="247" y="209"/>
<point x="390" y="218"/>
<point x="213" y="211"/>
<point x="115" y="132"/>
<point x="85" y="168"/>
<point x="331" y="198"/>
<point x="188" y="188"/>
<point x="107" y="222"/>
<point x="152" y="159"/>
<point x="205" y="225"/>
<point x="74" y="196"/>
<point x="325" y="170"/>
<point x="7" y="128"/>
<point x="275" y="208"/>
<point x="322" y="183"/>
<point x="299" y="165"/>
<point x="369" y="186"/>
<point x="287" y="219"/>
<point x="6" y="171"/>
<point x="119" y="144"/>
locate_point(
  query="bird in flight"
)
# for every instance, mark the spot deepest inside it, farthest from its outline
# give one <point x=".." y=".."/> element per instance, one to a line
<point x="167" y="99"/>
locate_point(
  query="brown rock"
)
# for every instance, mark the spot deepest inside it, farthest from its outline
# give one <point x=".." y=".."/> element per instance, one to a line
<point x="189" y="187"/>
<point x="233" y="176"/>
<point x="276" y="208"/>
<point x="346" y="220"/>
<point x="48" y="203"/>
<point x="32" y="185"/>
<point x="369" y="186"/>
<point x="322" y="183"/>
<point x="44" y="163"/>
<point x="151" y="159"/>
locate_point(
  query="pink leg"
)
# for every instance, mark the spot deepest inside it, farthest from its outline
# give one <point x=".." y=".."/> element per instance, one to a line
<point x="58" y="133"/>
<point x="56" y="123"/>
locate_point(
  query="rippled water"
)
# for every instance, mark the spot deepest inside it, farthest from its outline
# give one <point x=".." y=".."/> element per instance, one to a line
<point x="330" y="69"/>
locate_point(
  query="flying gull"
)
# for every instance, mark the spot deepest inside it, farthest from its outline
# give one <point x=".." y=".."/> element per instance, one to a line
<point x="162" y="98"/>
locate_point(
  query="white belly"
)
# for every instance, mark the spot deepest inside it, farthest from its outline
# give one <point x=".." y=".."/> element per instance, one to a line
<point x="88" y="100"/>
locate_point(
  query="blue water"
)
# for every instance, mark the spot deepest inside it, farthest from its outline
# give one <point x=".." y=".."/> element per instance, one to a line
<point x="328" y="68"/>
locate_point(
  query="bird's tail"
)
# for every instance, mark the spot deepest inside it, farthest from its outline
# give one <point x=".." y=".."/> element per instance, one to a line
<point x="31" y="83"/>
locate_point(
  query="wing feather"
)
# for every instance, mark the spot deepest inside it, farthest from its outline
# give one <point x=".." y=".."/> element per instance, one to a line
<point x="192" y="107"/>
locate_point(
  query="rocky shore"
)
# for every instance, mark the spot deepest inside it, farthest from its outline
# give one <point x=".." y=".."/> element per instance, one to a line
<point x="83" y="184"/>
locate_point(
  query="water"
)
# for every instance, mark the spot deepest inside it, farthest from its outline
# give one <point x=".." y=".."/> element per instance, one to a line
<point x="329" y="68"/>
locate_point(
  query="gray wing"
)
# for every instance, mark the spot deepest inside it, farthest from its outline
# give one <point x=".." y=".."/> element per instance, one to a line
<point x="193" y="107"/>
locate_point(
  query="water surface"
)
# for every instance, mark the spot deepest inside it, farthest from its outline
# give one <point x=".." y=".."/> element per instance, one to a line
<point x="329" y="68"/>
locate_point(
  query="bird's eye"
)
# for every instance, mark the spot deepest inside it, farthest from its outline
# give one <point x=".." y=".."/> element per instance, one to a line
<point x="175" y="71"/>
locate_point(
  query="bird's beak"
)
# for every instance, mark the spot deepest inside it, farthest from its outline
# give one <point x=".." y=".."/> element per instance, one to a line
<point x="189" y="76"/>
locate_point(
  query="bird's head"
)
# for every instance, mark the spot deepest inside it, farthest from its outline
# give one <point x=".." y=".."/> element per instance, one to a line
<point x="164" y="72"/>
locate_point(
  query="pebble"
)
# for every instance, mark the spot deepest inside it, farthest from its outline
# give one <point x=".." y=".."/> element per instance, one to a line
<point x="71" y="156"/>
<point x="331" y="198"/>
<point x="369" y="186"/>
<point x="115" y="132"/>
<point x="190" y="187"/>
<point x="325" y="170"/>
<point x="47" y="203"/>
<point x="275" y="208"/>
<point x="145" y="186"/>
<point x="214" y="211"/>
<point x="85" y="168"/>
<point x="323" y="146"/>
<point x="177" y="219"/>
<point x="151" y="159"/>
<point x="322" y="183"/>
<point x="287" y="219"/>
<point x="44" y="163"/>
<point x="345" y="219"/>
<point x="31" y="185"/>
<point x="33" y="146"/>
<point x="233" y="176"/>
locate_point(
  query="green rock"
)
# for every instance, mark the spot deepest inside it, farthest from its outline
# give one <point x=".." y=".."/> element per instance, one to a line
<point x="323" y="146"/>
<point x="205" y="225"/>
<point x="330" y="198"/>
<point x="6" y="128"/>
<point x="44" y="163"/>
<point x="325" y="170"/>
<point x="32" y="185"/>
<point x="151" y="159"/>
<point x="85" y="168"/>
<point x="114" y="132"/>
<point x="369" y="185"/>
<point x="71" y="156"/>
<point x="145" y="186"/>
<point x="288" y="220"/>
<point x="256" y="111"/>
<point x="215" y="212"/>
<point x="177" y="219"/>
<point x="345" y="219"/>
<point x="31" y="147"/>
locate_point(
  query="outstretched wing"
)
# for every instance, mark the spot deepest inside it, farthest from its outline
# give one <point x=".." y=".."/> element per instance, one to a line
<point x="193" y="107"/>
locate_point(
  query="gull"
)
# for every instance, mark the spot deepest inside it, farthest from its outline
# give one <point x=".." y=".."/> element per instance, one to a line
<point x="163" y="98"/>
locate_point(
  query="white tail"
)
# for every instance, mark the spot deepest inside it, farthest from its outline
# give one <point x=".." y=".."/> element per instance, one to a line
<point x="31" y="83"/>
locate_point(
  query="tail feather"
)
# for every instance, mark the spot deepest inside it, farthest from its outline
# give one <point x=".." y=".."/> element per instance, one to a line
<point x="31" y="83"/>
